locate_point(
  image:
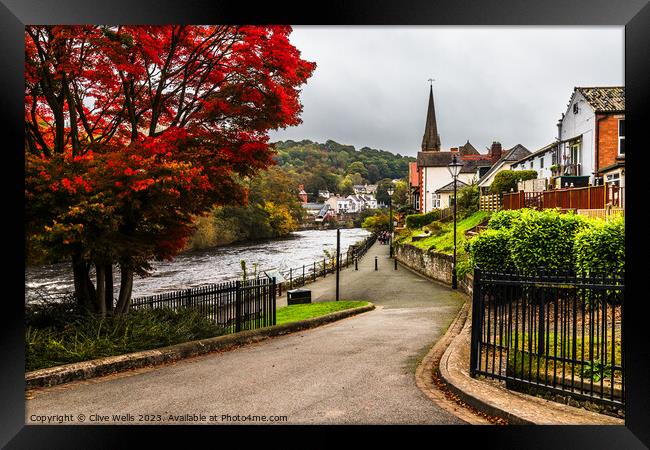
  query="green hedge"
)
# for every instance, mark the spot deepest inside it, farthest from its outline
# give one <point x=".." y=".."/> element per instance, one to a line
<point x="507" y="179"/>
<point x="544" y="239"/>
<point x="414" y="221"/>
<point x="504" y="218"/>
<point x="490" y="250"/>
<point x="527" y="239"/>
<point x="601" y="246"/>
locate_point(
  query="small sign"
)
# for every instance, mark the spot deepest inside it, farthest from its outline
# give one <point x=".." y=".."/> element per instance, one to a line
<point x="275" y="273"/>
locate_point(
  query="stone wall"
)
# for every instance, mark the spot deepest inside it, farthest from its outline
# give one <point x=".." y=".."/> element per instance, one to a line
<point x="432" y="265"/>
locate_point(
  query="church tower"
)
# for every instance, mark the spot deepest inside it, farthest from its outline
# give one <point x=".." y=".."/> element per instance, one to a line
<point x="431" y="138"/>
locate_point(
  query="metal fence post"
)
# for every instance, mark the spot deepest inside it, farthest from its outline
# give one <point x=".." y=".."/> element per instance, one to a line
<point x="273" y="303"/>
<point x="314" y="271"/>
<point x="356" y="263"/>
<point x="476" y="323"/>
<point x="238" y="306"/>
<point x="375" y="263"/>
<point x="290" y="278"/>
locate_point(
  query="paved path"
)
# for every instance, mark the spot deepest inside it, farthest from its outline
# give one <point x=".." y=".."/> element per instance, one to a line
<point x="358" y="370"/>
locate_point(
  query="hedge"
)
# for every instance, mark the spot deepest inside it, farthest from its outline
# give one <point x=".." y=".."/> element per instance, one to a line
<point x="507" y="179"/>
<point x="414" y="221"/>
<point x="490" y="250"/>
<point x="601" y="247"/>
<point x="504" y="218"/>
<point x="544" y="239"/>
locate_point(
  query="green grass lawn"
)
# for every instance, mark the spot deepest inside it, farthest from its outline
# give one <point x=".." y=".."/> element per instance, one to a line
<point x="294" y="313"/>
<point x="443" y="241"/>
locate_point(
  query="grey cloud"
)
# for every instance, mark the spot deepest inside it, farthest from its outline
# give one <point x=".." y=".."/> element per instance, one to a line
<point x="492" y="83"/>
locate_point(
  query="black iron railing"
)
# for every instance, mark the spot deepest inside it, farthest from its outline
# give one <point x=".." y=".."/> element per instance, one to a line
<point x="307" y="273"/>
<point x="551" y="331"/>
<point x="235" y="305"/>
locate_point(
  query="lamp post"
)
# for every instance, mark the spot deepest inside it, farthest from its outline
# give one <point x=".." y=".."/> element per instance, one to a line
<point x="454" y="170"/>
<point x="390" y="191"/>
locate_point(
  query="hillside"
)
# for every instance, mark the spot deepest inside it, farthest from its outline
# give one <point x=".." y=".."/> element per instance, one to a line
<point x="338" y="167"/>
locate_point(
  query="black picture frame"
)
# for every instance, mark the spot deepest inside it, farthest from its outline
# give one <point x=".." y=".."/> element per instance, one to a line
<point x="633" y="14"/>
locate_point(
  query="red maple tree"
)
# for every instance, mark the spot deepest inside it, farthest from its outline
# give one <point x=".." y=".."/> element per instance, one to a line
<point x="130" y="131"/>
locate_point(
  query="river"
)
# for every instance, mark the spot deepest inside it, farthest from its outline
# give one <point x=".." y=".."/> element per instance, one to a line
<point x="214" y="265"/>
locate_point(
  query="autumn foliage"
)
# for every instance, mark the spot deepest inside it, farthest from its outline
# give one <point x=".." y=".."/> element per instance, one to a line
<point x="131" y="131"/>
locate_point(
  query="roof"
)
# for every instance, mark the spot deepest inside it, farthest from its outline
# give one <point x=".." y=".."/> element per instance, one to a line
<point x="514" y="154"/>
<point x="449" y="187"/>
<point x="442" y="159"/>
<point x="611" y="167"/>
<point x="604" y="99"/>
<point x="468" y="149"/>
<point x="324" y="210"/>
<point x="312" y="205"/>
<point x="544" y="149"/>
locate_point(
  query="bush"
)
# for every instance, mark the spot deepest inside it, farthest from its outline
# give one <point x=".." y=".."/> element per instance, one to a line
<point x="507" y="179"/>
<point x="376" y="223"/>
<point x="504" y="218"/>
<point x="544" y="239"/>
<point x="468" y="200"/>
<point x="54" y="337"/>
<point x="414" y="221"/>
<point x="601" y="246"/>
<point x="490" y="250"/>
<point x="434" y="227"/>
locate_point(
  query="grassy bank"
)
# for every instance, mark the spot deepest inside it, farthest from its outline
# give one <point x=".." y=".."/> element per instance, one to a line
<point x="294" y="313"/>
<point x="60" y="334"/>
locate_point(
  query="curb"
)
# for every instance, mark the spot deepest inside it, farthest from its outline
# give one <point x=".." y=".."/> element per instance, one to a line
<point x="84" y="370"/>
<point x="495" y="400"/>
<point x="425" y="371"/>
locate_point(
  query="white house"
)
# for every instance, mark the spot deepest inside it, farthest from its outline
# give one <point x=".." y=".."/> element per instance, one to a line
<point x="540" y="160"/>
<point x="504" y="163"/>
<point x="584" y="131"/>
<point x="433" y="164"/>
<point x="340" y="205"/>
<point x="446" y="193"/>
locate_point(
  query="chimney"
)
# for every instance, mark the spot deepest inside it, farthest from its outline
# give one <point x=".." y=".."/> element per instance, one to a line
<point x="495" y="152"/>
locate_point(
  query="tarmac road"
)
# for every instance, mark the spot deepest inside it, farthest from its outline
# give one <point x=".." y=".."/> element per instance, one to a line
<point x="356" y="371"/>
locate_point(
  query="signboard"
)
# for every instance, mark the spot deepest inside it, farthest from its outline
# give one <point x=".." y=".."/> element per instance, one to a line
<point x="275" y="273"/>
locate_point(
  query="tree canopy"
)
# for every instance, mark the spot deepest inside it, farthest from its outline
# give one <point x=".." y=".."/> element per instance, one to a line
<point x="131" y="131"/>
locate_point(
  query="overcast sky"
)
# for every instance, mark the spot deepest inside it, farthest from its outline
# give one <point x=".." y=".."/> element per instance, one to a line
<point x="509" y="84"/>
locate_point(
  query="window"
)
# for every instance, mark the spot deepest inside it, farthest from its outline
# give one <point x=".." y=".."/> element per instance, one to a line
<point x="541" y="162"/>
<point x="621" y="137"/>
<point x="531" y="163"/>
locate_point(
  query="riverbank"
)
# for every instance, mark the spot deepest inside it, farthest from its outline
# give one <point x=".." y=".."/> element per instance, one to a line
<point x="213" y="265"/>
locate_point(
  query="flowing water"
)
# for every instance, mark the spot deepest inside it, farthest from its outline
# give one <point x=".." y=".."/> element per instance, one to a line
<point x="214" y="265"/>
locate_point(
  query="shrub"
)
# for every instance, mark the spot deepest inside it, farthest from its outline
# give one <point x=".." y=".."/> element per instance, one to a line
<point x="601" y="246"/>
<point x="468" y="200"/>
<point x="544" y="239"/>
<point x="490" y="250"/>
<point x="434" y="227"/>
<point x="414" y="221"/>
<point x="504" y="218"/>
<point x="53" y="337"/>
<point x="507" y="179"/>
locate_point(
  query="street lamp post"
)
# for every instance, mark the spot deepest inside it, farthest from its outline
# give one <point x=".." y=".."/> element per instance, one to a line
<point x="390" y="191"/>
<point x="454" y="170"/>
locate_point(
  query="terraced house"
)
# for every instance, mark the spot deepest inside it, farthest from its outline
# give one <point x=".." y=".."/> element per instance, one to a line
<point x="591" y="135"/>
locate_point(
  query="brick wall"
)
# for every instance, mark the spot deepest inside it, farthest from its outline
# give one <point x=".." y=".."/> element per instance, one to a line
<point x="432" y="265"/>
<point x="608" y="140"/>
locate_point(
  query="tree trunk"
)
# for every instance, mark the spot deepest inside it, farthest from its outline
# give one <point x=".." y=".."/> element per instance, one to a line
<point x="100" y="303"/>
<point x="126" y="286"/>
<point x="83" y="287"/>
<point x="108" y="276"/>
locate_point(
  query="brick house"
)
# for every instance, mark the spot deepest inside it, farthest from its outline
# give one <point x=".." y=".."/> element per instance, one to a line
<point x="591" y="135"/>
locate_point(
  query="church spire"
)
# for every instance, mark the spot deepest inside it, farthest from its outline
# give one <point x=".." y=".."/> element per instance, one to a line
<point x="431" y="138"/>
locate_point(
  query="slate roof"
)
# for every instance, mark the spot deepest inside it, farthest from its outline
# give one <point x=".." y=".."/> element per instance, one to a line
<point x="604" y="99"/>
<point x="468" y="149"/>
<point x="514" y="154"/>
<point x="449" y="187"/>
<point x="312" y="206"/>
<point x="442" y="159"/>
<point x="544" y="149"/>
